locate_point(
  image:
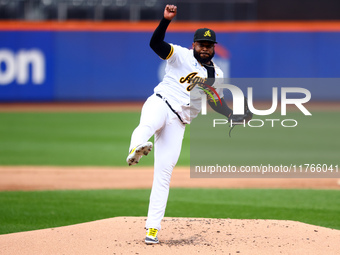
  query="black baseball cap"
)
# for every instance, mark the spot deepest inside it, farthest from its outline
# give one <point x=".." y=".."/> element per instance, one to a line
<point x="205" y="34"/>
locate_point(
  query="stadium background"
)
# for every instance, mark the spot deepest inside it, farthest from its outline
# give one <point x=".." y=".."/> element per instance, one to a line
<point x="97" y="52"/>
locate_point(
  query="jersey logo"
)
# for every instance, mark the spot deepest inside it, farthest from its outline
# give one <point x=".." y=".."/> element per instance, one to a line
<point x="207" y="33"/>
<point x="193" y="80"/>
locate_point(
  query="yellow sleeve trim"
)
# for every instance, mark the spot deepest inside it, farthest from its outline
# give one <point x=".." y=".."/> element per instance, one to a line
<point x="170" y="53"/>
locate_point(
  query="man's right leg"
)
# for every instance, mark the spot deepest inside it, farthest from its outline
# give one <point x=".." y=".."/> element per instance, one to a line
<point x="153" y="118"/>
<point x="168" y="143"/>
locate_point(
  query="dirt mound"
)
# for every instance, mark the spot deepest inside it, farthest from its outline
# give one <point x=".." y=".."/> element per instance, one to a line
<point x="124" y="235"/>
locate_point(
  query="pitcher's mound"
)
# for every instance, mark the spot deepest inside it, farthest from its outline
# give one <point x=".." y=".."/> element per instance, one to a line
<point x="125" y="235"/>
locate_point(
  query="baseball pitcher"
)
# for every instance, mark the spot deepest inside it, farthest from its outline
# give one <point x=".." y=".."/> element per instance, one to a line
<point x="166" y="113"/>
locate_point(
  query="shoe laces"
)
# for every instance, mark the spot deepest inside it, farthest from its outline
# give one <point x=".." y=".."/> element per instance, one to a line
<point x="152" y="232"/>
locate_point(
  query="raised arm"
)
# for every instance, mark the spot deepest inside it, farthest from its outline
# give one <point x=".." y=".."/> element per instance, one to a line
<point x="157" y="43"/>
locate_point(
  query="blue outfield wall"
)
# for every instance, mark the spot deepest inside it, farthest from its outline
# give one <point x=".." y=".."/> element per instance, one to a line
<point x="120" y="66"/>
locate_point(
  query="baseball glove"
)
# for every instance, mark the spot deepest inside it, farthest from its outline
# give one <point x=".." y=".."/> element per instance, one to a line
<point x="240" y="119"/>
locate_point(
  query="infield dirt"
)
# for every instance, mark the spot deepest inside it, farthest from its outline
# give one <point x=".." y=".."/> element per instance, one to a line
<point x="51" y="178"/>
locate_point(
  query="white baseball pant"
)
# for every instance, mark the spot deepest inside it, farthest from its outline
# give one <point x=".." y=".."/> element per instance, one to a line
<point x="158" y="119"/>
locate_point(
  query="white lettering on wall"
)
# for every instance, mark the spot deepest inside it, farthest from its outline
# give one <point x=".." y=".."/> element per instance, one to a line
<point x="21" y="66"/>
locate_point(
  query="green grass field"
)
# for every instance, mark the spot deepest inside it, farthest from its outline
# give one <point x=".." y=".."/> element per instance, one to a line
<point x="22" y="211"/>
<point x="102" y="139"/>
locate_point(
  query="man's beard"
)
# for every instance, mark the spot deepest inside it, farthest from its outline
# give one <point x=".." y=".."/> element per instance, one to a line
<point x="203" y="60"/>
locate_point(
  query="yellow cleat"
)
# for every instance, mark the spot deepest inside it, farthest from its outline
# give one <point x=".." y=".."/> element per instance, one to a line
<point x="151" y="236"/>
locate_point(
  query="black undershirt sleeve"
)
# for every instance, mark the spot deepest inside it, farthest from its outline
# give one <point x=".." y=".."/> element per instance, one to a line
<point x="222" y="109"/>
<point x="157" y="42"/>
<point x="211" y="74"/>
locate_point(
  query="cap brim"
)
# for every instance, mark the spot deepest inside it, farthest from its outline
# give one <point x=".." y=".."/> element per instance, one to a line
<point x="205" y="40"/>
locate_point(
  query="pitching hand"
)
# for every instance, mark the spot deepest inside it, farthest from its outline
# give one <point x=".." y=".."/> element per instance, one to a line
<point x="170" y="11"/>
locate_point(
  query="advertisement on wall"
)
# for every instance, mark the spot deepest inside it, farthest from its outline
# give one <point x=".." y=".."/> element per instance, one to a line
<point x="120" y="66"/>
<point x="26" y="61"/>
